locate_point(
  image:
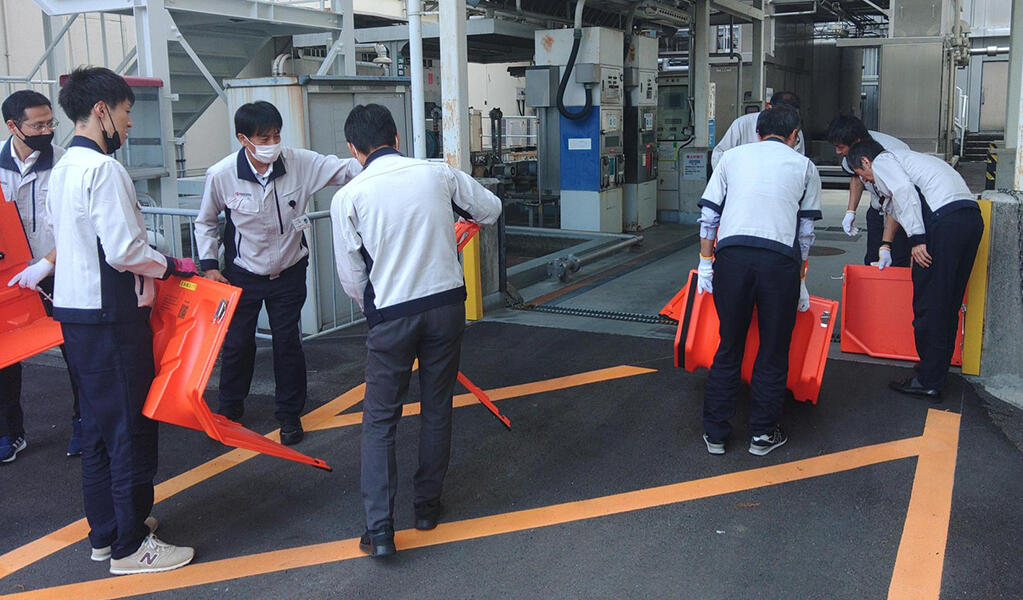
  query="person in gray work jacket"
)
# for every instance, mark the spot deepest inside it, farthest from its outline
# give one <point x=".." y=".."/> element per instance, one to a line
<point x="759" y="205"/>
<point x="263" y="190"/>
<point x="940" y="215"/>
<point x="394" y="243"/>
<point x="26" y="161"/>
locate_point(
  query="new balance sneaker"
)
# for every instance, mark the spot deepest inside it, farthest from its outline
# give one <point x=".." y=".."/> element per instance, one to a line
<point x="74" y="446"/>
<point x="153" y="556"/>
<point x="101" y="554"/>
<point x="762" y="444"/>
<point x="10" y="446"/>
<point x="714" y="446"/>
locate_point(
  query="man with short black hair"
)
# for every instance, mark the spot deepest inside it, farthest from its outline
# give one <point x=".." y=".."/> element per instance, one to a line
<point x="845" y="131"/>
<point x="394" y="243"/>
<point x="103" y="295"/>
<point x="939" y="213"/>
<point x="743" y="130"/>
<point x="263" y="189"/>
<point x="759" y="205"/>
<point x="25" y="164"/>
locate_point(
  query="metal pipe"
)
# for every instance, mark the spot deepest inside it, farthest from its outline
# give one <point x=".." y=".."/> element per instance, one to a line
<point x="565" y="233"/>
<point x="990" y="50"/>
<point x="415" y="45"/>
<point x="563" y="267"/>
<point x="579" y="14"/>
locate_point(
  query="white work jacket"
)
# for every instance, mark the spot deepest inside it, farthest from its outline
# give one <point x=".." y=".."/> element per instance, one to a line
<point x="265" y="227"/>
<point x="28" y="191"/>
<point x="887" y="142"/>
<point x="394" y="238"/>
<point x="762" y="191"/>
<point x="105" y="267"/>
<point x="743" y="131"/>
<point x="905" y="177"/>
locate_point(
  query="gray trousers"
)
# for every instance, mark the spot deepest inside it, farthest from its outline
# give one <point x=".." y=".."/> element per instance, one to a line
<point x="435" y="338"/>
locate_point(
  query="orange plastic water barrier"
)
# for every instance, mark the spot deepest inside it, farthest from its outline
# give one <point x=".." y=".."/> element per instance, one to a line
<point x="189" y="323"/>
<point x="696" y="340"/>
<point x="877" y="314"/>
<point x="25" y="330"/>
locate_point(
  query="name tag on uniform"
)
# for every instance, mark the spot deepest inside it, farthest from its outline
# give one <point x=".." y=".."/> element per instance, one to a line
<point x="301" y="223"/>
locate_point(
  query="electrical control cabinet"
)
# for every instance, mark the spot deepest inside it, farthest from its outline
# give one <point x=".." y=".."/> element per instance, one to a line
<point x="591" y="145"/>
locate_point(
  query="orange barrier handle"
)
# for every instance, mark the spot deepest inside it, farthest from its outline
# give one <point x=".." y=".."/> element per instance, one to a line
<point x="484" y="399"/>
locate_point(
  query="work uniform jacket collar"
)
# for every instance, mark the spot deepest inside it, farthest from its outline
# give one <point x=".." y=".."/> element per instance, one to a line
<point x="83" y="142"/>
<point x="378" y="153"/>
<point x="245" y="171"/>
<point x="43" y="163"/>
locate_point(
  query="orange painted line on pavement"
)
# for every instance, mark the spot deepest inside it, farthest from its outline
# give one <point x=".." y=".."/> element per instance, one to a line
<point x="921" y="557"/>
<point x="29" y="553"/>
<point x="505" y="393"/>
<point x="318" y="554"/>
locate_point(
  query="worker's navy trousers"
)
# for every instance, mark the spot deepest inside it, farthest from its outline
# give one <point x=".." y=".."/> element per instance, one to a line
<point x="284" y="297"/>
<point x="435" y="338"/>
<point x="112" y="363"/>
<point x="744" y="278"/>
<point x="875" y="232"/>
<point x="952" y="242"/>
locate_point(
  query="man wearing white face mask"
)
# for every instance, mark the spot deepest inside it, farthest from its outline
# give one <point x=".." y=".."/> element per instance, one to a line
<point x="263" y="190"/>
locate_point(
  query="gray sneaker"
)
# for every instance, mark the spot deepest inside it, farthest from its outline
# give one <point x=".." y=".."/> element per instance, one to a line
<point x="760" y="445"/>
<point x="714" y="447"/>
<point x="102" y="554"/>
<point x="153" y="556"/>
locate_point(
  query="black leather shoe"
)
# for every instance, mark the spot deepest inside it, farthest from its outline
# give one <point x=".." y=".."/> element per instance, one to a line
<point x="291" y="434"/>
<point x="912" y="387"/>
<point x="427" y="516"/>
<point x="233" y="412"/>
<point x="378" y="543"/>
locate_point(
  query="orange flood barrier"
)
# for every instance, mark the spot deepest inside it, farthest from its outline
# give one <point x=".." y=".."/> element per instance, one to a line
<point x="877" y="314"/>
<point x="25" y="330"/>
<point x="696" y="340"/>
<point x="189" y="323"/>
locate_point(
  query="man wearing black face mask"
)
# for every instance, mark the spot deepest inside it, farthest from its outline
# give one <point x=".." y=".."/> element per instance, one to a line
<point x="103" y="294"/>
<point x="25" y="163"/>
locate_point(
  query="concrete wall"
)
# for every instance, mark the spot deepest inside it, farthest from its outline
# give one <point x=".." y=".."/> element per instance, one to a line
<point x="1001" y="361"/>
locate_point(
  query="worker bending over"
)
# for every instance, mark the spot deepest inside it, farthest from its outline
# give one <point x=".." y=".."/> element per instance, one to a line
<point x="743" y="130"/>
<point x="263" y="191"/>
<point x="103" y="295"/>
<point x="760" y="205"/>
<point x="394" y="242"/>
<point x="844" y="132"/>
<point x="26" y="162"/>
<point x="943" y="221"/>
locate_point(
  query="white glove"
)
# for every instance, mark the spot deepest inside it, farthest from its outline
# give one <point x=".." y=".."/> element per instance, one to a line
<point x="30" y="276"/>
<point x="884" y="259"/>
<point x="705" y="272"/>
<point x="804" y="297"/>
<point x="848" y="223"/>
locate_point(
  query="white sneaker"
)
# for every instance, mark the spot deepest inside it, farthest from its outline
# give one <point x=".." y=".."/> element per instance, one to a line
<point x="102" y="554"/>
<point x="712" y="446"/>
<point x="152" y="556"/>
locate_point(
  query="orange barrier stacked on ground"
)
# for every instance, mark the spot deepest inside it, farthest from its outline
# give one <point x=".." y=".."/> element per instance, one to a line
<point x="696" y="340"/>
<point x="189" y="323"/>
<point x="877" y="314"/>
<point x="25" y="330"/>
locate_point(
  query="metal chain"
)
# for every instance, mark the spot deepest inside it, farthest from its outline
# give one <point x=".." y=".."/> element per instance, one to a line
<point x="601" y="314"/>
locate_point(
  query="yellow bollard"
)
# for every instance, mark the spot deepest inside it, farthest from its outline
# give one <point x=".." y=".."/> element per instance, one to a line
<point x="976" y="298"/>
<point x="473" y="280"/>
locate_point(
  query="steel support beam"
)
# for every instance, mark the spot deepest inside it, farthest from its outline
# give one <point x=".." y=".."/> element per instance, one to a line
<point x="56" y="65"/>
<point x="210" y="79"/>
<point x="347" y="9"/>
<point x="736" y="8"/>
<point x="758" y="60"/>
<point x="415" y="28"/>
<point x="699" y="72"/>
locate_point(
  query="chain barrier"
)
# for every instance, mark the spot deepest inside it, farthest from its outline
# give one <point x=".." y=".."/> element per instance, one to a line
<point x="600" y="314"/>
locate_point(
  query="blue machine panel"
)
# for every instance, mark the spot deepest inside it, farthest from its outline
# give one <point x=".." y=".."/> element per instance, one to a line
<point x="580" y="152"/>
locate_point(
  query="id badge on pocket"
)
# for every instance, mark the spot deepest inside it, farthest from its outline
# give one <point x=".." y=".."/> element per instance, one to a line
<point x="301" y="223"/>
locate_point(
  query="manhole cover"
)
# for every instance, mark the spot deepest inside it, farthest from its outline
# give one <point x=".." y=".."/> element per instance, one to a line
<point x="825" y="251"/>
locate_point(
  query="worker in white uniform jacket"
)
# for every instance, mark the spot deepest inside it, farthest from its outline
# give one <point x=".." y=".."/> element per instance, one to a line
<point x="25" y="164"/>
<point x="743" y="130"/>
<point x="394" y="243"/>
<point x="760" y="205"/>
<point x="943" y="223"/>
<point x="844" y="132"/>
<point x="263" y="190"/>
